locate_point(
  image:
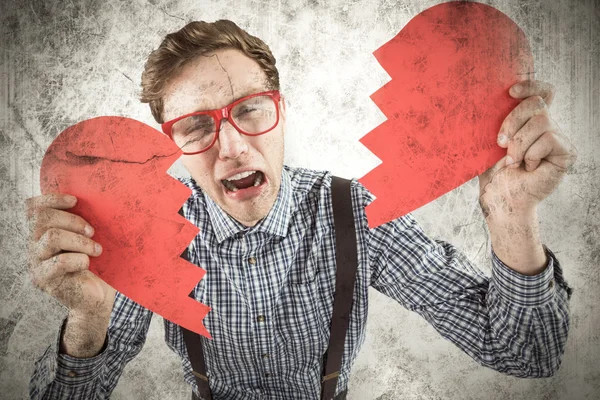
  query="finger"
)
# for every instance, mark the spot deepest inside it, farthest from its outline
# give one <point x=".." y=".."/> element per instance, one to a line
<point x="55" y="240"/>
<point x="519" y="116"/>
<point x="46" y="218"/>
<point x="485" y="201"/>
<point x="59" y="201"/>
<point x="486" y="177"/>
<point x="539" y="150"/>
<point x="564" y="154"/>
<point x="532" y="87"/>
<point x="527" y="136"/>
<point x="57" y="267"/>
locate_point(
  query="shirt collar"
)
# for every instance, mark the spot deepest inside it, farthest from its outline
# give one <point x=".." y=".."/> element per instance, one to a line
<point x="275" y="223"/>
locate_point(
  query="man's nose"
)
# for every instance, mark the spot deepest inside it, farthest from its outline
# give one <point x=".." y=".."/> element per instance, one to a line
<point x="231" y="142"/>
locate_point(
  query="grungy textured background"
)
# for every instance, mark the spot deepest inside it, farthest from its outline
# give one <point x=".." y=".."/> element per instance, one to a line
<point x="65" y="61"/>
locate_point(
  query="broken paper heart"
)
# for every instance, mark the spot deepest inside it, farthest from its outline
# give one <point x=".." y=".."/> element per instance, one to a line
<point x="117" y="168"/>
<point x="451" y="68"/>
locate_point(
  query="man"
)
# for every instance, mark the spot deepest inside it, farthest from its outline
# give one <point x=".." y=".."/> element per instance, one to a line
<point x="268" y="244"/>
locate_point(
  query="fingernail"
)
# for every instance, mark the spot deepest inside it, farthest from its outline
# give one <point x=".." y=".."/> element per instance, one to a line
<point x="509" y="160"/>
<point x="502" y="140"/>
<point x="98" y="248"/>
<point x="71" y="199"/>
<point x="516" y="89"/>
<point x="89" y="231"/>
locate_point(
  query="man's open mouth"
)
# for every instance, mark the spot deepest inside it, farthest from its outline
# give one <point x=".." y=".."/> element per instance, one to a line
<point x="243" y="180"/>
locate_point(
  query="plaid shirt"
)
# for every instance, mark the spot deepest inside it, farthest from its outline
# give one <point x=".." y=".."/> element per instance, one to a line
<point x="271" y="291"/>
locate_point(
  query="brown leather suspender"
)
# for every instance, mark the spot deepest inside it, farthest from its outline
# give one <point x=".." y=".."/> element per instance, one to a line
<point x="193" y="344"/>
<point x="346" y="260"/>
<point x="347" y="264"/>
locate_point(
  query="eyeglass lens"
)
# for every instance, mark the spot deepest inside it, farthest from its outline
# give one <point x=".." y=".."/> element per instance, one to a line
<point x="252" y="116"/>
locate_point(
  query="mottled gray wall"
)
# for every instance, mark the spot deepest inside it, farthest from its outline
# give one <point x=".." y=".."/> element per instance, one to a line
<point x="65" y="61"/>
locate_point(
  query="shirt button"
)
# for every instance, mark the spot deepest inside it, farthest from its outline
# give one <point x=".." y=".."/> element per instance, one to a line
<point x="267" y="375"/>
<point x="266" y="355"/>
<point x="72" y="374"/>
<point x="551" y="283"/>
<point x="252" y="260"/>
<point x="261" y="318"/>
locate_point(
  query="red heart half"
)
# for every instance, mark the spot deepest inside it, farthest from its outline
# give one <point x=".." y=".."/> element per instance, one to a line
<point x="117" y="168"/>
<point x="451" y="67"/>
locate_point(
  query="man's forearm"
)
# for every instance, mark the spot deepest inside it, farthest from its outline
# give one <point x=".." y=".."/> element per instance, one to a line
<point x="516" y="241"/>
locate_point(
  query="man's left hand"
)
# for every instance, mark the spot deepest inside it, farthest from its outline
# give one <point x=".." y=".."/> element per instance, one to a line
<point x="538" y="155"/>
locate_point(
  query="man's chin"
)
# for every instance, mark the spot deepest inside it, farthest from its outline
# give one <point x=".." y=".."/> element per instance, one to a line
<point x="247" y="217"/>
<point x="250" y="211"/>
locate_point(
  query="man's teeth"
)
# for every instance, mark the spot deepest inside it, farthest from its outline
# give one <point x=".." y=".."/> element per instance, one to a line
<point x="230" y="186"/>
<point x="241" y="175"/>
<point x="258" y="180"/>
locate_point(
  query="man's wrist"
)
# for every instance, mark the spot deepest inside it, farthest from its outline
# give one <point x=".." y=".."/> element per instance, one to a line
<point x="506" y="214"/>
<point x="84" y="335"/>
<point x="516" y="241"/>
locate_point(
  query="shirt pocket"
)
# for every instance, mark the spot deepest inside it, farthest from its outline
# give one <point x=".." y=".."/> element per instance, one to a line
<point x="299" y="323"/>
<point x="301" y="328"/>
<point x="303" y="273"/>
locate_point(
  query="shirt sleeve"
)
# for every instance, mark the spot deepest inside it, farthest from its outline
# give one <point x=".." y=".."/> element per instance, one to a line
<point x="512" y="323"/>
<point x="60" y="376"/>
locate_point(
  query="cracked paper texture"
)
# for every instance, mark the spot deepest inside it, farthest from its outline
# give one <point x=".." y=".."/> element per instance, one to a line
<point x="65" y="61"/>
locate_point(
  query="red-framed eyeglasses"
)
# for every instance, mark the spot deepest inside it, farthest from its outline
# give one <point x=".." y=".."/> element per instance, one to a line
<point x="251" y="115"/>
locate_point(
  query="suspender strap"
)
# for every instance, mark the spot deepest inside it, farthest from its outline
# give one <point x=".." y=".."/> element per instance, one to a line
<point x="346" y="265"/>
<point x="193" y="344"/>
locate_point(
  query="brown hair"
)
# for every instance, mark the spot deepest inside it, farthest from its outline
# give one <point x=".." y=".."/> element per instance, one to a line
<point x="195" y="39"/>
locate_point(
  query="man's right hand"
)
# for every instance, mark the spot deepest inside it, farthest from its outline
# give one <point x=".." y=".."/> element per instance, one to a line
<point x="59" y="259"/>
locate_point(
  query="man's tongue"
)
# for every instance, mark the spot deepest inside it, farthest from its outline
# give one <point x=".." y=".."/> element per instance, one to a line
<point x="243" y="183"/>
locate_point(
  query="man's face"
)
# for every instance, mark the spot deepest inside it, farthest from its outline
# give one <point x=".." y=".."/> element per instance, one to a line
<point x="213" y="81"/>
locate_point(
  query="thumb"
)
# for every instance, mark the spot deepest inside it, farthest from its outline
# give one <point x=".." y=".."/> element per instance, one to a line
<point x="488" y="174"/>
<point x="485" y="178"/>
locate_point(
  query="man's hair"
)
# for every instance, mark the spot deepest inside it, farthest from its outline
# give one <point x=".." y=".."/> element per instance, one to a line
<point x="195" y="39"/>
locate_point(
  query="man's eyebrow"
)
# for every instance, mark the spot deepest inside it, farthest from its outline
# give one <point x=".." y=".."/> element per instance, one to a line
<point x="245" y="93"/>
<point x="248" y="92"/>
